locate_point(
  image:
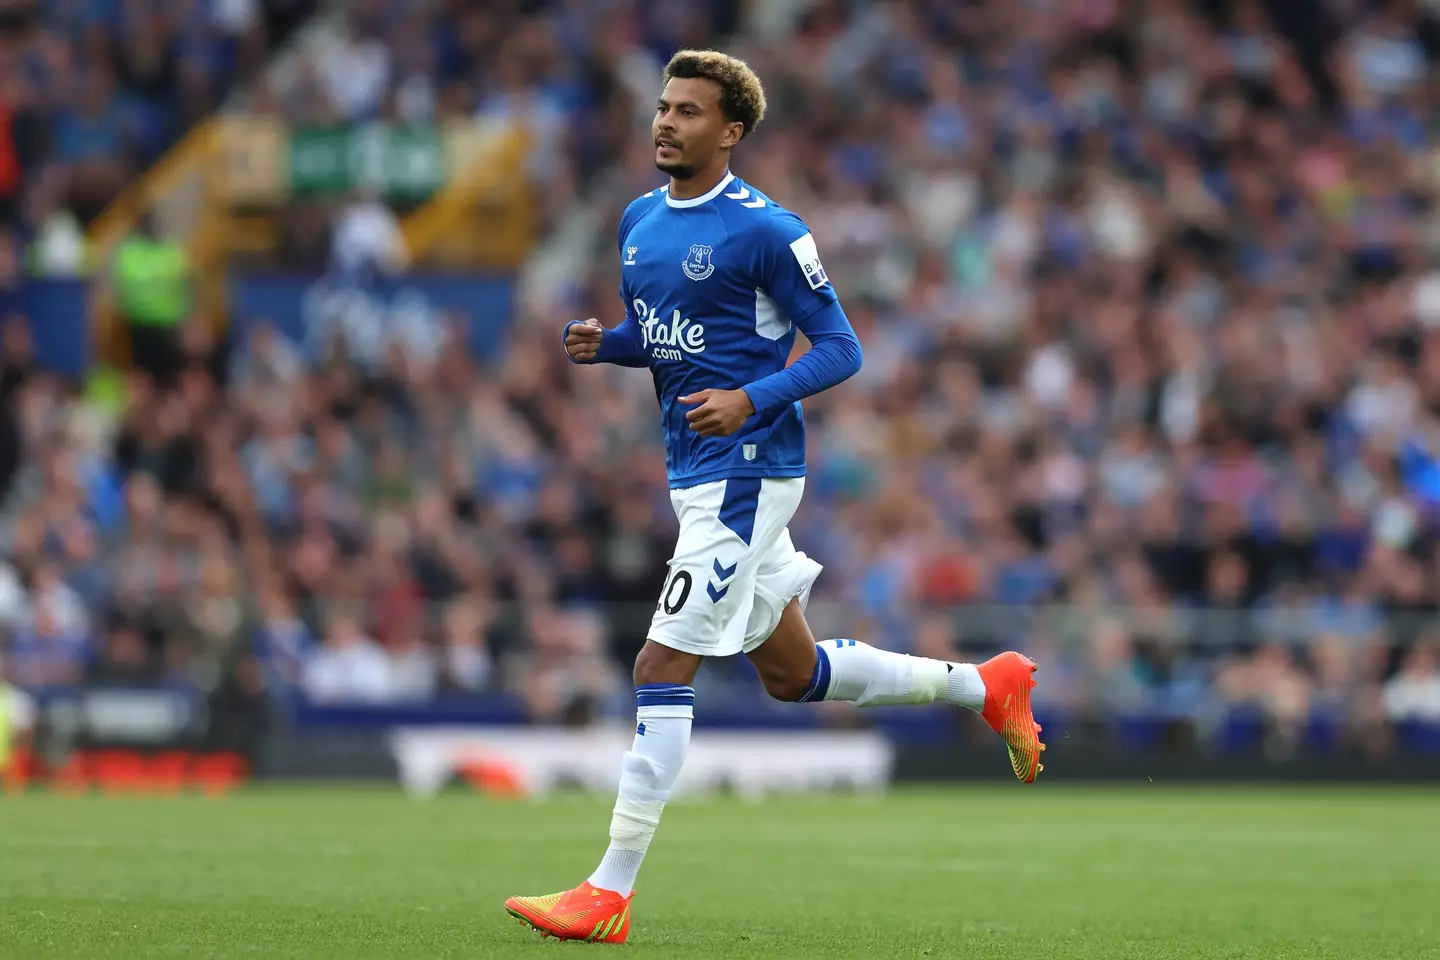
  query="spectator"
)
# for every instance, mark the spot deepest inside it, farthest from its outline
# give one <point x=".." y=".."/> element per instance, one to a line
<point x="10" y="176"/>
<point x="349" y="668"/>
<point x="563" y="672"/>
<point x="1414" y="694"/>
<point x="95" y="140"/>
<point x="59" y="248"/>
<point x="17" y="719"/>
<point x="355" y="66"/>
<point x="414" y="673"/>
<point x="267" y="362"/>
<point x="124" y="659"/>
<point x="239" y="713"/>
<point x="52" y="599"/>
<point x="43" y="653"/>
<point x="467" y="664"/>
<point x="283" y="643"/>
<point x="152" y="278"/>
<point x="367" y="239"/>
<point x="1148" y="297"/>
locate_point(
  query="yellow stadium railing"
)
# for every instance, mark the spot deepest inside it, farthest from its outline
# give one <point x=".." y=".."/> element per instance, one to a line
<point x="173" y="189"/>
<point x="222" y="189"/>
<point x="484" y="214"/>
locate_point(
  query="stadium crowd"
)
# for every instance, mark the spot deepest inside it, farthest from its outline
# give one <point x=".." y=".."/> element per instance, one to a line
<point x="93" y="91"/>
<point x="1150" y="305"/>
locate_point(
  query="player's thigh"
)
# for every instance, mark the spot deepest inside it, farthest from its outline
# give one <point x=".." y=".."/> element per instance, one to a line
<point x="785" y="575"/>
<point x="786" y="660"/>
<point x="726" y="531"/>
<point x="777" y="638"/>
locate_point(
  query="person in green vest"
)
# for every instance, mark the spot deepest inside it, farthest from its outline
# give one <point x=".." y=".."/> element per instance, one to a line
<point x="4" y="730"/>
<point x="152" y="284"/>
<point x="16" y="719"/>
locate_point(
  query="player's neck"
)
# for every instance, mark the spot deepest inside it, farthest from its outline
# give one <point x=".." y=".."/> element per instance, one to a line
<point x="698" y="185"/>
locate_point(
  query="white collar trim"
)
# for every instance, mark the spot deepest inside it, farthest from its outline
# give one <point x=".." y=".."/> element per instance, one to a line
<point x="705" y="197"/>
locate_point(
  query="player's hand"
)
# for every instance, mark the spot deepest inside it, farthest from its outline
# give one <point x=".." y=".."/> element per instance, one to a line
<point x="720" y="412"/>
<point x="582" y="340"/>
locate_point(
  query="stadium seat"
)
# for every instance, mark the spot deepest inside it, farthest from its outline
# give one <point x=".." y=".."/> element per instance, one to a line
<point x="73" y="776"/>
<point x="1419" y="736"/>
<point x="118" y="771"/>
<point x="20" y="771"/>
<point x="1323" y="733"/>
<point x="1241" y="731"/>
<point x="168" y="772"/>
<point x="219" y="773"/>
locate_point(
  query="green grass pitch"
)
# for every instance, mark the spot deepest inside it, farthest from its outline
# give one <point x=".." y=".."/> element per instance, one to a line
<point x="1050" y="872"/>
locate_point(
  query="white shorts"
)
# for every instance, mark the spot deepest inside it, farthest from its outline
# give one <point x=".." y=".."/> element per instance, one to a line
<point x="735" y="567"/>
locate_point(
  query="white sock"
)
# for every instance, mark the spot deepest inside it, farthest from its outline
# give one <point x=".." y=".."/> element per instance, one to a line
<point x="663" y="715"/>
<point x="860" y="674"/>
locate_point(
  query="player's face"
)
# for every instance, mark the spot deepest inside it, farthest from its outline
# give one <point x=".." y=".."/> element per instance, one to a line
<point x="689" y="128"/>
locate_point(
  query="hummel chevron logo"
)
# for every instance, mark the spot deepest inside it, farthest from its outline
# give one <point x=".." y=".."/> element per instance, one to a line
<point x="722" y="574"/>
<point x="742" y="193"/>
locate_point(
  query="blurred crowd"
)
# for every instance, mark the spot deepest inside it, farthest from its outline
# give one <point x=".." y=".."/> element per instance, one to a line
<point x="94" y="91"/>
<point x="1150" y="301"/>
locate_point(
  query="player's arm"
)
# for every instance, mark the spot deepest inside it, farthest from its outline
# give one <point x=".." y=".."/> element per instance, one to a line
<point x="792" y="273"/>
<point x="586" y="341"/>
<point x="834" y="357"/>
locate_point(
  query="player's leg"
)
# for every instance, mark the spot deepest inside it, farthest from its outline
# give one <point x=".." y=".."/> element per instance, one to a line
<point x="726" y="532"/>
<point x="599" y="909"/>
<point x="725" y="528"/>
<point x="664" y="711"/>
<point x="794" y="666"/>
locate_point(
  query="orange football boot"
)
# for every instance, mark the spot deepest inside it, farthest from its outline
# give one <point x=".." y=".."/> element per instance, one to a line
<point x="1009" y="678"/>
<point x="585" y="913"/>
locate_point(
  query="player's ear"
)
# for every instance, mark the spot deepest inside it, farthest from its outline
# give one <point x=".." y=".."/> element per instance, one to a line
<point x="732" y="135"/>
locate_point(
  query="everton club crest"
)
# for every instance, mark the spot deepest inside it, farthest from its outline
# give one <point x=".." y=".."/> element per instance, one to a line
<point x="697" y="264"/>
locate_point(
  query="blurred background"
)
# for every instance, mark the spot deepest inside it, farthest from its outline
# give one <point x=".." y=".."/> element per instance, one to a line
<point x="296" y="478"/>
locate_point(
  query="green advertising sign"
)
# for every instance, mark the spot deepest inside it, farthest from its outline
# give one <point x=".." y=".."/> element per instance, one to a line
<point x="398" y="162"/>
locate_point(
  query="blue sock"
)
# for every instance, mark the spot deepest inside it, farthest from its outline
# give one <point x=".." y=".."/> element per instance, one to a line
<point x="820" y="678"/>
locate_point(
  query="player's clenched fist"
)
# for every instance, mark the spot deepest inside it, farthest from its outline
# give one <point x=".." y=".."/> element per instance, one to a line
<point x="720" y="412"/>
<point x="582" y="340"/>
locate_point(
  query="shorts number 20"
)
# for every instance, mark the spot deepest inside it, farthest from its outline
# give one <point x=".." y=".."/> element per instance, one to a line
<point x="668" y="600"/>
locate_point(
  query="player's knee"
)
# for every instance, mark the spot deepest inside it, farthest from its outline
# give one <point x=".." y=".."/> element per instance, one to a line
<point x="786" y="685"/>
<point x="660" y="664"/>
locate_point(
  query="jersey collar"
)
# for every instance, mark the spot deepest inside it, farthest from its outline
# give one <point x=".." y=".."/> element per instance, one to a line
<point x="705" y="197"/>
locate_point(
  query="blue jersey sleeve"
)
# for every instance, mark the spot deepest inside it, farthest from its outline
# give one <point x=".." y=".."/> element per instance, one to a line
<point x="789" y="267"/>
<point x="624" y="345"/>
<point x="834" y="357"/>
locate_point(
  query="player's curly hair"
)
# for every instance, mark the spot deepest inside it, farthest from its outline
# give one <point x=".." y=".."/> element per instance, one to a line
<point x="742" y="98"/>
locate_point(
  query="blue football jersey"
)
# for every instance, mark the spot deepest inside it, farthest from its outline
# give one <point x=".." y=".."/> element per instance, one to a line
<point x="717" y="285"/>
